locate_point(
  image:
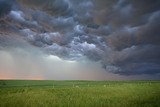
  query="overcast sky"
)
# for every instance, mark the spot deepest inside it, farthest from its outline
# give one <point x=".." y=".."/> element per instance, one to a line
<point x="80" y="39"/>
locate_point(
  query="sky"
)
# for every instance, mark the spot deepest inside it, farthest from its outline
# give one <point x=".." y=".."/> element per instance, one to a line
<point x="80" y="39"/>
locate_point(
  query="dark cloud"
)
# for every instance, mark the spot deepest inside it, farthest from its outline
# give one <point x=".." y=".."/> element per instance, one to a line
<point x="5" y="7"/>
<point x="124" y="13"/>
<point x="53" y="7"/>
<point x="149" y="33"/>
<point x="132" y="60"/>
<point x="122" y="35"/>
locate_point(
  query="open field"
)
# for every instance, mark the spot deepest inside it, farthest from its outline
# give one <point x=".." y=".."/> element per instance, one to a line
<point x="23" y="93"/>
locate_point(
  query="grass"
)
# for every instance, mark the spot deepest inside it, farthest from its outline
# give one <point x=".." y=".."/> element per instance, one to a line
<point x="23" y="93"/>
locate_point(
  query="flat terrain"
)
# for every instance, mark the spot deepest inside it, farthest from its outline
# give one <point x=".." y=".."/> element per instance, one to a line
<point x="23" y="93"/>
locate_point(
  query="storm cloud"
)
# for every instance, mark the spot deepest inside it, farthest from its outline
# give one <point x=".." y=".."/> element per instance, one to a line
<point x="5" y="7"/>
<point x="122" y="36"/>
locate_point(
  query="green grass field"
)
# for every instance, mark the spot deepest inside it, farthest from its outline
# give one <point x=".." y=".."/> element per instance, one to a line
<point x="23" y="93"/>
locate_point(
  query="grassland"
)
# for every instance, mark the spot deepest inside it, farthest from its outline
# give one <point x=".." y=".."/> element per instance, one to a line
<point x="23" y="93"/>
